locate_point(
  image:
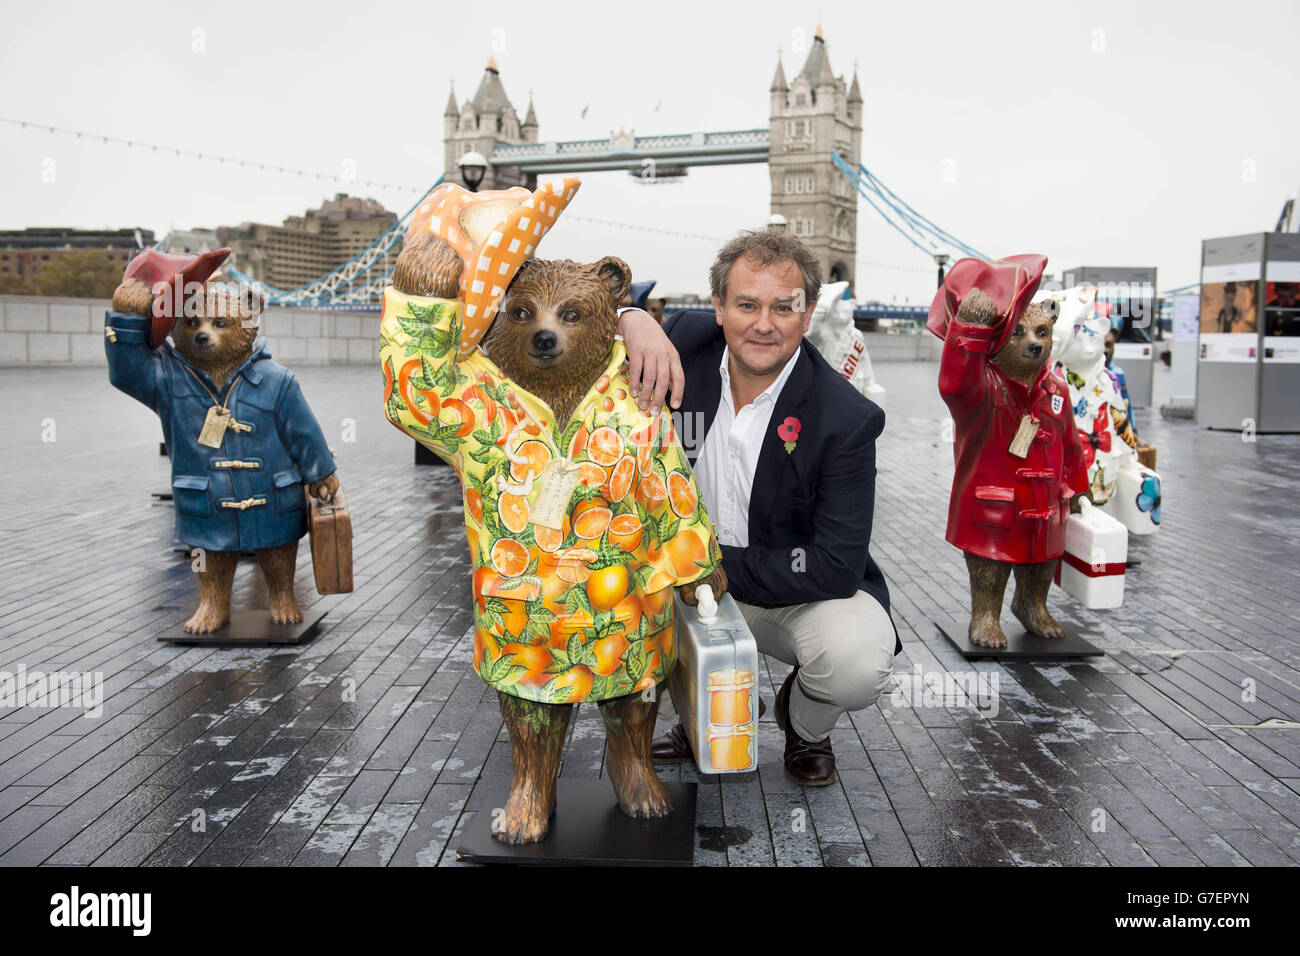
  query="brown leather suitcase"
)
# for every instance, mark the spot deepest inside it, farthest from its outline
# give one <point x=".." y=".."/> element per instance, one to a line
<point x="1147" y="456"/>
<point x="329" y="526"/>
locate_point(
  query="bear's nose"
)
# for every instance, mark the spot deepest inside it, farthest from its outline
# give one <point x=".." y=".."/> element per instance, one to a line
<point x="1035" y="349"/>
<point x="202" y="338"/>
<point x="545" y="341"/>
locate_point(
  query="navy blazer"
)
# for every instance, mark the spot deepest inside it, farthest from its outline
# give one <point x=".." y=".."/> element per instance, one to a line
<point x="820" y="497"/>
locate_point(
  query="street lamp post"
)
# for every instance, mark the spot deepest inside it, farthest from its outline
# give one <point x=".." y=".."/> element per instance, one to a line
<point x="941" y="260"/>
<point x="473" y="167"/>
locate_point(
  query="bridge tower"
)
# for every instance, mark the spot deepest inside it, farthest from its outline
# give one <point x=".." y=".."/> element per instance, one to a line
<point x="811" y="115"/>
<point x="482" y="123"/>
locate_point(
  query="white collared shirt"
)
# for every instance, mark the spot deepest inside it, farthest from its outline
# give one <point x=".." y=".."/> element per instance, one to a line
<point x="725" y="468"/>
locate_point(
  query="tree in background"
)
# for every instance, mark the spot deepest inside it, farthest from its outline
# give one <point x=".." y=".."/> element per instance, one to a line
<point x="87" y="274"/>
<point x="83" y="274"/>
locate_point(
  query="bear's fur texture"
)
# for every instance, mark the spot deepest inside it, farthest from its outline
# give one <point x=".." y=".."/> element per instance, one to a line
<point x="218" y="342"/>
<point x="1026" y="353"/>
<point x="553" y="336"/>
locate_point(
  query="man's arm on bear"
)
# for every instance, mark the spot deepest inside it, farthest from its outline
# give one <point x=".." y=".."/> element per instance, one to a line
<point x="967" y="348"/>
<point x="133" y="367"/>
<point x="654" y="367"/>
<point x="833" y="563"/>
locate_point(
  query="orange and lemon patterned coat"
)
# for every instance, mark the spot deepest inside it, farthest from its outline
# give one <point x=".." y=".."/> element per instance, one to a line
<point x="579" y="613"/>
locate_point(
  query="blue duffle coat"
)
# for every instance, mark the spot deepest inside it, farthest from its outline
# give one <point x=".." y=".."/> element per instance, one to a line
<point x="248" y="493"/>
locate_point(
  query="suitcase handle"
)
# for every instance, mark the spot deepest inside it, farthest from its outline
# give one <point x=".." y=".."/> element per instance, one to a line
<point x="707" y="603"/>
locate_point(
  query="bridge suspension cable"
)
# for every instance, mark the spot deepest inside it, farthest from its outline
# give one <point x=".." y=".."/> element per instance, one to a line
<point x="917" y="229"/>
<point x="339" y="285"/>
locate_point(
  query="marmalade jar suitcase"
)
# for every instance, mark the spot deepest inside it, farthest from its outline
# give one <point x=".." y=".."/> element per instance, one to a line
<point x="714" y="684"/>
<point x="329" y="526"/>
<point x="1096" y="553"/>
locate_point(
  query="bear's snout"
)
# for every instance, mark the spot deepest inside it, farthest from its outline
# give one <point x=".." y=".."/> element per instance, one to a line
<point x="202" y="339"/>
<point x="1035" y="349"/>
<point x="544" y="342"/>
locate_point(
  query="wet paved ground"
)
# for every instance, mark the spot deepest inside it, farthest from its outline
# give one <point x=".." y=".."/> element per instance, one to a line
<point x="377" y="744"/>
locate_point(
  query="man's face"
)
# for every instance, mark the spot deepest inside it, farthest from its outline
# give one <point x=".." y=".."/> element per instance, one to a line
<point x="1110" y="347"/>
<point x="765" y="315"/>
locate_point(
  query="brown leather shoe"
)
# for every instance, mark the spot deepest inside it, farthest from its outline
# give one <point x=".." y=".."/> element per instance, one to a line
<point x="672" y="747"/>
<point x="809" y="764"/>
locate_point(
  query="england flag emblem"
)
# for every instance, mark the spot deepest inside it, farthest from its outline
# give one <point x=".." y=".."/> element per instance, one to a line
<point x="1057" y="404"/>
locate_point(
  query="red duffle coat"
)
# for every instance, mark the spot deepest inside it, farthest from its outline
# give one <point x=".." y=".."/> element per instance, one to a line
<point x="1003" y="507"/>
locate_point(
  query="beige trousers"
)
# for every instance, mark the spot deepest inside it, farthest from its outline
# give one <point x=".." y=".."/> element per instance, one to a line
<point x="844" y="649"/>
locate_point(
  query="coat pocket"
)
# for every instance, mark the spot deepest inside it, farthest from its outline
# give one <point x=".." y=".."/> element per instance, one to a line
<point x="994" y="506"/>
<point x="288" y="490"/>
<point x="190" y="495"/>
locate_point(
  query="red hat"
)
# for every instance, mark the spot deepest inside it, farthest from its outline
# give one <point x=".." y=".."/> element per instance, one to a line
<point x="158" y="270"/>
<point x="1009" y="282"/>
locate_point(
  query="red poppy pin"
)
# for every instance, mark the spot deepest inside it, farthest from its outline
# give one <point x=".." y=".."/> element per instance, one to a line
<point x="788" y="432"/>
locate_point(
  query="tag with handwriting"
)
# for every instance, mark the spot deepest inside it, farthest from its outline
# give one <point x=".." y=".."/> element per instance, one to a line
<point x="1024" y="436"/>
<point x="214" y="426"/>
<point x="558" y="480"/>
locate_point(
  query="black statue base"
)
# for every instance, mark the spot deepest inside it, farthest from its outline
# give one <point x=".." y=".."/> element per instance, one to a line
<point x="425" y="457"/>
<point x="588" y="829"/>
<point x="1021" y="645"/>
<point x="161" y="495"/>
<point x="249" y="629"/>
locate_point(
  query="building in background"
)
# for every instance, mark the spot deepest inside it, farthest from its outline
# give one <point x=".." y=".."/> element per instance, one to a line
<point x="189" y="240"/>
<point x="480" y="124"/>
<point x="811" y="115"/>
<point x="308" y="246"/>
<point x="23" y="253"/>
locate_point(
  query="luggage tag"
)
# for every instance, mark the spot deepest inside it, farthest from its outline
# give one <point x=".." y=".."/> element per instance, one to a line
<point x="1024" y="437"/>
<point x="214" y="426"/>
<point x="558" y="480"/>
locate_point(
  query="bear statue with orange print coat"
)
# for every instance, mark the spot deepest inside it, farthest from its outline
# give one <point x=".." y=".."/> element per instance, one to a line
<point x="581" y="512"/>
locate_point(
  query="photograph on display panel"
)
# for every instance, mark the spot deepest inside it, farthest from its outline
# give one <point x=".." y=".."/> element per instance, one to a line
<point x="1228" y="307"/>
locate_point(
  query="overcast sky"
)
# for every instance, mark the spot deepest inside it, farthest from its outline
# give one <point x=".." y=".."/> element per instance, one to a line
<point x="1096" y="133"/>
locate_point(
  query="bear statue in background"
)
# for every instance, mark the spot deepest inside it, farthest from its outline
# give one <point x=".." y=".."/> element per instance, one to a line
<point x="1019" y="464"/>
<point x="242" y="440"/>
<point x="1118" y="482"/>
<point x="841" y="343"/>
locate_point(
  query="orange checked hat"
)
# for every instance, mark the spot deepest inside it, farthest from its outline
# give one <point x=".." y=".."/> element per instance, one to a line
<point x="494" y="232"/>
<point x="1009" y="282"/>
<point x="158" y="270"/>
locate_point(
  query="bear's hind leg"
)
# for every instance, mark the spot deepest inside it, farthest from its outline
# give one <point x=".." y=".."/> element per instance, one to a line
<point x="277" y="566"/>
<point x="1029" y="603"/>
<point x="988" y="582"/>
<point x="537" y="733"/>
<point x="629" y="733"/>
<point x="215" y="579"/>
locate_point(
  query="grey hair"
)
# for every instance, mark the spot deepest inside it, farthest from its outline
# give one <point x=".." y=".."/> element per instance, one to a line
<point x="765" y="248"/>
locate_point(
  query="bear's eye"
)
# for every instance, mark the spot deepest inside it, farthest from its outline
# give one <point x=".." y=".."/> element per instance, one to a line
<point x="569" y="315"/>
<point x="218" y="323"/>
<point x="191" y="323"/>
<point x="1020" y="330"/>
<point x="521" y="314"/>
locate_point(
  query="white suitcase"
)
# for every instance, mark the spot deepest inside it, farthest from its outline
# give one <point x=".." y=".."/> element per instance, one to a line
<point x="1096" y="553"/>
<point x="714" y="683"/>
<point x="1136" y="501"/>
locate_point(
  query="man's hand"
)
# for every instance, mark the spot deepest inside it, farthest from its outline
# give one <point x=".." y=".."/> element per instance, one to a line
<point x="654" y="367"/>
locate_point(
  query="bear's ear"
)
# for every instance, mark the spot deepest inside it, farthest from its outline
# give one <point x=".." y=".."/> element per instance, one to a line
<point x="617" y="277"/>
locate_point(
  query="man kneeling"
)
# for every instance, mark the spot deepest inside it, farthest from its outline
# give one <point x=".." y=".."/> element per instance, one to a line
<point x="784" y="455"/>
